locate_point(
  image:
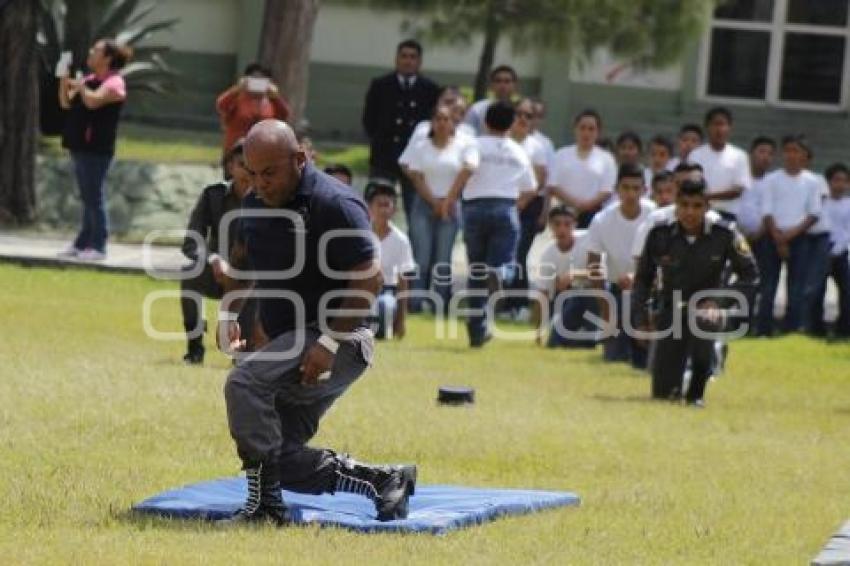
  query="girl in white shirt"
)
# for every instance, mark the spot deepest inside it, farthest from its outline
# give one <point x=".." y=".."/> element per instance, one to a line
<point x="584" y="175"/>
<point x="532" y="217"/>
<point x="433" y="163"/>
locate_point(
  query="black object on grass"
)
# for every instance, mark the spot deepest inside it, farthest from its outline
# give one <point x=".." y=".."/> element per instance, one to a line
<point x="452" y="395"/>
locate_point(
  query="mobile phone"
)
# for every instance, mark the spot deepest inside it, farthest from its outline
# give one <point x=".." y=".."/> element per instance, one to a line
<point x="257" y="85"/>
<point x="63" y="65"/>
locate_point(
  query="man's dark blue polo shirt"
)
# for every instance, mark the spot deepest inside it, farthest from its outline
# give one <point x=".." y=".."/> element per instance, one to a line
<point x="323" y="204"/>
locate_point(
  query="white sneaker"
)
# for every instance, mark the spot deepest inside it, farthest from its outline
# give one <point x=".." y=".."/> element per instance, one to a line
<point x="91" y="255"/>
<point x="69" y="252"/>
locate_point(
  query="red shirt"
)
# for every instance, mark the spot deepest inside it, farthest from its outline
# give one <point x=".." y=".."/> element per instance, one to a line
<point x="240" y="110"/>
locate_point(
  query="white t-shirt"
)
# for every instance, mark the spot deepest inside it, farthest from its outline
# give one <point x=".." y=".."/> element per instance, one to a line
<point x="553" y="262"/>
<point x="749" y="209"/>
<point x="722" y="170"/>
<point x="536" y="152"/>
<point x="822" y="226"/>
<point x="837" y="212"/>
<point x="583" y="178"/>
<point x="663" y="215"/>
<point x="396" y="255"/>
<point x="439" y="166"/>
<point x="475" y="115"/>
<point x="546" y="143"/>
<point x="612" y="235"/>
<point x="423" y="128"/>
<point x="789" y="200"/>
<point x="502" y="170"/>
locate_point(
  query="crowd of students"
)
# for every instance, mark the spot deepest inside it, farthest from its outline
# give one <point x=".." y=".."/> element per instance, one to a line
<point x="488" y="171"/>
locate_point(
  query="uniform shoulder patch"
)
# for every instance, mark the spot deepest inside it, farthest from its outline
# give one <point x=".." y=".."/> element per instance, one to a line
<point x="741" y="245"/>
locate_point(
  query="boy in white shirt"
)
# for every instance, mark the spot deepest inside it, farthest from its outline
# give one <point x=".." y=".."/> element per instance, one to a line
<point x="396" y="261"/>
<point x="660" y="158"/>
<point x="690" y="138"/>
<point x="664" y="189"/>
<point x="610" y="239"/>
<point x="791" y="205"/>
<point x="499" y="182"/>
<point x="750" y="220"/>
<point x="726" y="168"/>
<point x="562" y="268"/>
<point x="837" y="211"/>
<point x="817" y="248"/>
<point x="503" y="85"/>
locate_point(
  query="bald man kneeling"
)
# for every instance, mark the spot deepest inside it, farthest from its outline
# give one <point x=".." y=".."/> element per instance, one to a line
<point x="314" y="289"/>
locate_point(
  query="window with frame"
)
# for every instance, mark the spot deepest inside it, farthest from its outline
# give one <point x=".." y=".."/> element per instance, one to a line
<point x="786" y="52"/>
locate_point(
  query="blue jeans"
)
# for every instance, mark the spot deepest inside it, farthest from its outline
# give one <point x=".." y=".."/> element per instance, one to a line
<point x="770" y="266"/>
<point x="622" y="347"/>
<point x="432" y="250"/>
<point x="491" y="232"/>
<point x="839" y="270"/>
<point x="386" y="305"/>
<point x="572" y="319"/>
<point x="528" y="230"/>
<point x="90" y="170"/>
<point x="815" y="273"/>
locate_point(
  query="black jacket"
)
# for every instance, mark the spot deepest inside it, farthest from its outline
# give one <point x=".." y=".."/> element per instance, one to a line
<point x="215" y="201"/>
<point x="390" y="115"/>
<point x="690" y="267"/>
<point x="91" y="130"/>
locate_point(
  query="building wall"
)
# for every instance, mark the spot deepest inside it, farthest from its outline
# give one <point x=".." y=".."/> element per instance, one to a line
<point x="205" y="26"/>
<point x="215" y="38"/>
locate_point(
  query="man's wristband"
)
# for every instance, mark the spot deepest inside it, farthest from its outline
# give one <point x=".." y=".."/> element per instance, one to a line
<point x="328" y="343"/>
<point x="227" y="316"/>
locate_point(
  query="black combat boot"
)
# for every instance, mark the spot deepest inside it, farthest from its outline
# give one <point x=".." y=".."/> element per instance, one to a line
<point x="389" y="487"/>
<point x="264" y="503"/>
<point x="195" y="352"/>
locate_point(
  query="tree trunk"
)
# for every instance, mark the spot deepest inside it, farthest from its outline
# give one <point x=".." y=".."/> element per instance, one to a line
<point x="488" y="51"/>
<point x="285" y="48"/>
<point x="78" y="31"/>
<point x="18" y="109"/>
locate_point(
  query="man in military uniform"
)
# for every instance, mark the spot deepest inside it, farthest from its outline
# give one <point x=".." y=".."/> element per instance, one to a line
<point x="690" y="253"/>
<point x="395" y="103"/>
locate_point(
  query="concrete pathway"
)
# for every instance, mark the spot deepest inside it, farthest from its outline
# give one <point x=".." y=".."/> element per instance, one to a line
<point x="122" y="258"/>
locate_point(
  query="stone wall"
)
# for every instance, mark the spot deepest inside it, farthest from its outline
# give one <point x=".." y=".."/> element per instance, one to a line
<point x="141" y="196"/>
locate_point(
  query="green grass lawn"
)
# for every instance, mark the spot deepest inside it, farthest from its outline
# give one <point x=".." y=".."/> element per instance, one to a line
<point x="139" y="142"/>
<point x="95" y="416"/>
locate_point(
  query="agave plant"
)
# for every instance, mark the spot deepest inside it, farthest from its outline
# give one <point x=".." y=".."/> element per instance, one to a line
<point x="74" y="25"/>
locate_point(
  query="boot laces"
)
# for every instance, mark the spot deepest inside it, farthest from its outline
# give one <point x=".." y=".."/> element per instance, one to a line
<point x="350" y="484"/>
<point x="254" y="476"/>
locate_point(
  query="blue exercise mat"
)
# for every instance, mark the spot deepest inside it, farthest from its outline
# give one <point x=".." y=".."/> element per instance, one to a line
<point x="837" y="550"/>
<point x="434" y="509"/>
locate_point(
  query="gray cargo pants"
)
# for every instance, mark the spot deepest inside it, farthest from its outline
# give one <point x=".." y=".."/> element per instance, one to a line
<point x="272" y="416"/>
